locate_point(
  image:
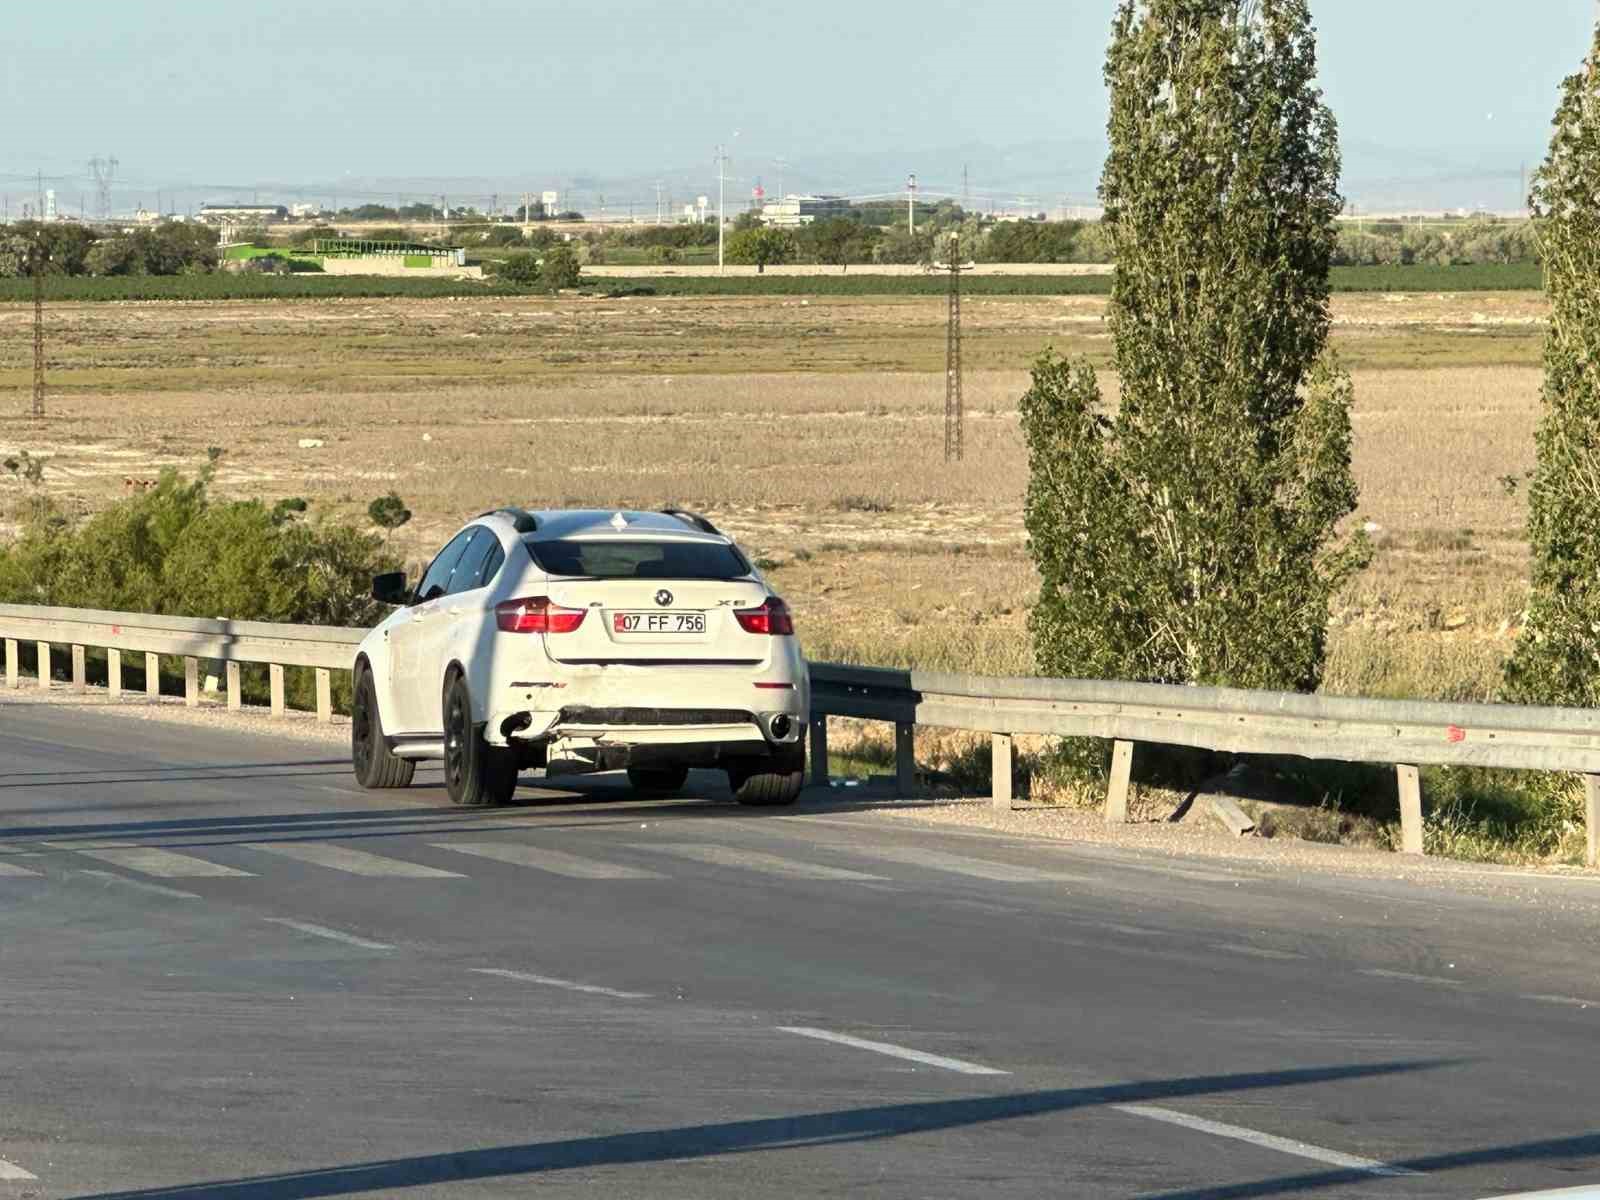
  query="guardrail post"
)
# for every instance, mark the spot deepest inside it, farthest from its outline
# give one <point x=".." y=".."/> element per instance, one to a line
<point x="191" y="682"/>
<point x="1117" y="791"/>
<point x="905" y="760"/>
<point x="44" y="666"/>
<point x="819" y="751"/>
<point x="1591" y="789"/>
<point x="1000" y="772"/>
<point x="324" y="694"/>
<point x="80" y="669"/>
<point x="235" y="688"/>
<point x="275" y="674"/>
<point x="113" y="673"/>
<point x="152" y="676"/>
<point x="1410" y="783"/>
<point x="11" y="663"/>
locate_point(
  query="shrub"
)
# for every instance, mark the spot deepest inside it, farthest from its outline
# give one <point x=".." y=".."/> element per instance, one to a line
<point x="560" y="268"/>
<point x="519" y="270"/>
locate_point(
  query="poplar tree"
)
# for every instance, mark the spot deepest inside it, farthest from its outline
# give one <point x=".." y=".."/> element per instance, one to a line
<point x="1557" y="659"/>
<point x="1192" y="536"/>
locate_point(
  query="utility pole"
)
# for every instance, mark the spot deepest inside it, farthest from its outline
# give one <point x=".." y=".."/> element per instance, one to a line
<point x="911" y="204"/>
<point x="954" y="405"/>
<point x="966" y="189"/>
<point x="722" y="179"/>
<point x="38" y="330"/>
<point x="658" y="202"/>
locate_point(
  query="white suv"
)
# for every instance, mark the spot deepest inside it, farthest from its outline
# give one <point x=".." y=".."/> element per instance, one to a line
<point x="583" y="641"/>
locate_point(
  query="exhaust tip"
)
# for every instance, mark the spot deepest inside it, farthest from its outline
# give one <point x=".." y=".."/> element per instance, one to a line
<point x="781" y="725"/>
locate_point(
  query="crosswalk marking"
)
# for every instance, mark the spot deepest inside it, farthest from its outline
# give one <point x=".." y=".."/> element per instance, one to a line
<point x="541" y="859"/>
<point x="753" y="860"/>
<point x="979" y="868"/>
<point x="163" y="864"/>
<point x="140" y="885"/>
<point x="353" y="862"/>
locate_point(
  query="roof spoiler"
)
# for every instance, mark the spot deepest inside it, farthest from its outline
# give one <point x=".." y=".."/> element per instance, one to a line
<point x="521" y="519"/>
<point x="693" y="519"/>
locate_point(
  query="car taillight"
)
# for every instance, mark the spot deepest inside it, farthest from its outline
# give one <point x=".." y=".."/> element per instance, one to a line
<point x="537" y="615"/>
<point x="773" y="617"/>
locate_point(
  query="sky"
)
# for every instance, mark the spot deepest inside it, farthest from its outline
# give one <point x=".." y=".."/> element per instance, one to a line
<point x="1439" y="101"/>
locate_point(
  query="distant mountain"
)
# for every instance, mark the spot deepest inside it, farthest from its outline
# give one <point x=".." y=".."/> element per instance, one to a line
<point x="1039" y="175"/>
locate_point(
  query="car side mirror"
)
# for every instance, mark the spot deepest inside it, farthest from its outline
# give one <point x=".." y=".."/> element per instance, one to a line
<point x="390" y="588"/>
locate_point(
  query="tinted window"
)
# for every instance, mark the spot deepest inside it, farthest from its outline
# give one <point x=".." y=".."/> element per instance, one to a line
<point x="479" y="564"/>
<point x="436" y="582"/>
<point x="639" y="560"/>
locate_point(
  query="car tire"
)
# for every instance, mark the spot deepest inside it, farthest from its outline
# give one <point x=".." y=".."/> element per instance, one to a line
<point x="476" y="774"/>
<point x="375" y="764"/>
<point x="769" y="783"/>
<point x="658" y="779"/>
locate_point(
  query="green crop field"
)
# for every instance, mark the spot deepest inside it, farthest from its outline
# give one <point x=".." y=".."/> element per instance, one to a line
<point x="227" y="286"/>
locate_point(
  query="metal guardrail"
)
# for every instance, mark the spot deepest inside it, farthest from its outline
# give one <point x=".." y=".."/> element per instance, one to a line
<point x="1405" y="733"/>
<point x="325" y="648"/>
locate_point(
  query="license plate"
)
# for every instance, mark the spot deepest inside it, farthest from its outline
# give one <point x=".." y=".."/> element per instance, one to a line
<point x="658" y="622"/>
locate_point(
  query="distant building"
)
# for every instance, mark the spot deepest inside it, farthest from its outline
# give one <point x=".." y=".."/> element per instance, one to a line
<point x="802" y="210"/>
<point x="228" y="214"/>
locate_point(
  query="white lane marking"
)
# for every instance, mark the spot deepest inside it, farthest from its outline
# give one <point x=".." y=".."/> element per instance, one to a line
<point x="1267" y="1141"/>
<point x="322" y="931"/>
<point x="1409" y="977"/>
<point x="754" y="860"/>
<point x="163" y="864"/>
<point x="1569" y="1001"/>
<point x="352" y="862"/>
<point x="1256" y="951"/>
<point x="893" y="1051"/>
<point x="980" y="868"/>
<point x="553" y="861"/>
<point x="140" y="885"/>
<point x="10" y="869"/>
<point x="565" y="984"/>
<point x="10" y="1170"/>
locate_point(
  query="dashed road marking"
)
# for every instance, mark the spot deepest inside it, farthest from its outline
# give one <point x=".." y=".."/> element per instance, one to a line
<point x="1409" y="977"/>
<point x="139" y="885"/>
<point x="10" y="1170"/>
<point x="540" y="859"/>
<point x="565" y="984"/>
<point x="163" y="864"/>
<point x="1569" y="1001"/>
<point x="352" y="862"/>
<point x="917" y="1056"/>
<point x="767" y="864"/>
<point x="1267" y="1141"/>
<point x="1258" y="951"/>
<point x="958" y="864"/>
<point x="322" y="931"/>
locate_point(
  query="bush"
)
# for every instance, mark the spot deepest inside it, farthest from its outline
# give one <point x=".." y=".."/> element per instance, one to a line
<point x="519" y="270"/>
<point x="176" y="551"/>
<point x="560" y="268"/>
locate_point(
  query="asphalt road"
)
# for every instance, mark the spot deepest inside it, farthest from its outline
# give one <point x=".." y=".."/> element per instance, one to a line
<point x="224" y="971"/>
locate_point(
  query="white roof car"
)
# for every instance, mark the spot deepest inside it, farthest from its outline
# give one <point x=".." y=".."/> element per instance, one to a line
<point x="583" y="640"/>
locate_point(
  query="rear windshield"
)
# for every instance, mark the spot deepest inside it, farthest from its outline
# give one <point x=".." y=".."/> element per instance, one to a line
<point x="639" y="560"/>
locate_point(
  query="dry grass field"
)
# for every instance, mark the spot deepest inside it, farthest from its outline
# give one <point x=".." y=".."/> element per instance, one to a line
<point x="811" y="429"/>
